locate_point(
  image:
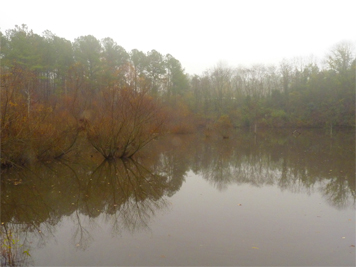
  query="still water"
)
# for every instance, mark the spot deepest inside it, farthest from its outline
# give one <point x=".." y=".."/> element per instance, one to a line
<point x="266" y="199"/>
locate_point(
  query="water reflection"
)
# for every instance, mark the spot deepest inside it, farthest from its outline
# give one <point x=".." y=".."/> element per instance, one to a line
<point x="124" y="193"/>
<point x="128" y="194"/>
<point x="309" y="162"/>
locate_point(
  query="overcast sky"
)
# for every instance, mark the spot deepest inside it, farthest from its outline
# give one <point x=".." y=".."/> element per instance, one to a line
<point x="199" y="33"/>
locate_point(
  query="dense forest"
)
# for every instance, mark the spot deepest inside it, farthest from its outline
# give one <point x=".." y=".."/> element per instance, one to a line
<point x="54" y="92"/>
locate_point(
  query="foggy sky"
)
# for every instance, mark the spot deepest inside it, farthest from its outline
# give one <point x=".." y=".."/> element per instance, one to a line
<point x="198" y="33"/>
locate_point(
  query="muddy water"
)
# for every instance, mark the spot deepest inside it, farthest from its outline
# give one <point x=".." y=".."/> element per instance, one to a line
<point x="265" y="199"/>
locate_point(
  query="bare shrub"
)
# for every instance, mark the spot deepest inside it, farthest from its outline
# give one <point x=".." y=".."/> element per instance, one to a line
<point x="124" y="122"/>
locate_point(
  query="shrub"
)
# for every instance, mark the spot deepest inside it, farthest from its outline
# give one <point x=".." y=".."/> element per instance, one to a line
<point x="124" y="123"/>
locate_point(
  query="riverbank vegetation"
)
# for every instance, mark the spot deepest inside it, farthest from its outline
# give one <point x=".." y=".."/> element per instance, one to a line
<point x="56" y="93"/>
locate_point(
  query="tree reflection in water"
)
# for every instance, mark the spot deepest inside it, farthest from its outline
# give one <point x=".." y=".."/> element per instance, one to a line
<point x="127" y="194"/>
<point x="310" y="162"/>
<point x="304" y="164"/>
<point x="124" y="193"/>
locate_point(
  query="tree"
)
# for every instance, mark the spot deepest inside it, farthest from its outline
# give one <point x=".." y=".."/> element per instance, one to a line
<point x="155" y="70"/>
<point x="195" y="85"/>
<point x="340" y="57"/>
<point x="176" y="80"/>
<point x="114" y="59"/>
<point x="285" y="70"/>
<point x="340" y="60"/>
<point x="87" y="51"/>
<point x="20" y="47"/>
<point x="220" y="78"/>
<point x="114" y="55"/>
<point x="139" y="62"/>
<point x="63" y="60"/>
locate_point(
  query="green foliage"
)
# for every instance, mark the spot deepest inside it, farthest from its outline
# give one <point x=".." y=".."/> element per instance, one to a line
<point x="13" y="251"/>
<point x="279" y="114"/>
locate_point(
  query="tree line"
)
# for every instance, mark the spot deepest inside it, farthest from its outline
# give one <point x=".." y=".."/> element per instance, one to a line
<point x="53" y="91"/>
<point x="297" y="93"/>
<point x="59" y="66"/>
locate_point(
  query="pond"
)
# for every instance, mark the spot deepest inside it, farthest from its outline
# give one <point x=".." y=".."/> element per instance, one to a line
<point x="267" y="199"/>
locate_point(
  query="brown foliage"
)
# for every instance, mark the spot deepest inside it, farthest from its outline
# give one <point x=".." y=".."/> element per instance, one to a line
<point x="181" y="119"/>
<point x="117" y="119"/>
<point x="31" y="130"/>
<point x="124" y="122"/>
<point x="224" y="126"/>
